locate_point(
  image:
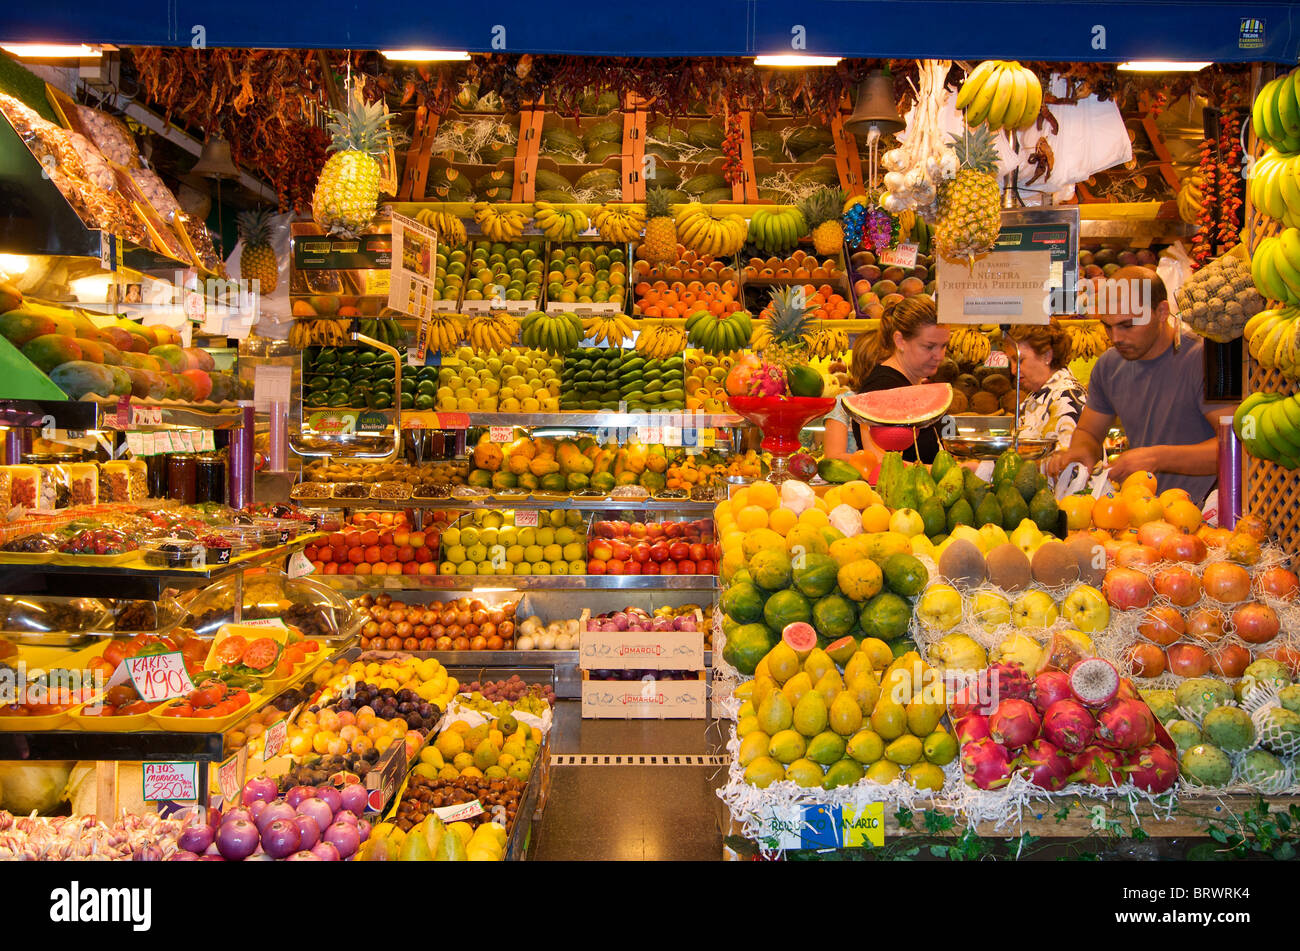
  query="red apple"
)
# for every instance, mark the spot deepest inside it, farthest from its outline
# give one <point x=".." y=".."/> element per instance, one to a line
<point x="600" y="549"/>
<point x="620" y="550"/>
<point x="647" y="567"/>
<point x="1284" y="655"/>
<point x="604" y="529"/>
<point x="411" y="567"/>
<point x="715" y="550"/>
<point x="641" y="552"/>
<point x="1278" y="582"/>
<point x="414" y="539"/>
<point x="595" y="567"/>
<point x="1181" y="547"/>
<point x="1229" y="660"/>
<point x="699" y="552"/>
<point x="685" y="567"/>
<point x="1225" y="582"/>
<point x="1256" y="623"/>
<point x="654" y="530"/>
<point x="707" y="567"/>
<point x="1206" y="624"/>
<point x="1136" y="555"/>
<point x="616" y="566"/>
<point x="1127" y="588"/>
<point x="387" y="538"/>
<point x="668" y="568"/>
<point x="659" y="551"/>
<point x="325" y="553"/>
<point x="1147" y="660"/>
<point x="422" y="554"/>
<point x="1188" y="660"/>
<point x="637" y="530"/>
<point x="674" y="529"/>
<point x="1162" y="626"/>
<point x="1179" y="585"/>
<point x="679" y="551"/>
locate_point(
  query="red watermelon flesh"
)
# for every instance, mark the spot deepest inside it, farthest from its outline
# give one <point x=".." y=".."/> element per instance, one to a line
<point x="903" y="405"/>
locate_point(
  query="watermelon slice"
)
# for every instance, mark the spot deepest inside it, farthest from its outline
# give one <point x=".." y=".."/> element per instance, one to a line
<point x="901" y="406"/>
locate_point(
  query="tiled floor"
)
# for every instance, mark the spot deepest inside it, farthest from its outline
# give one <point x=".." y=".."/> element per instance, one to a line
<point x="630" y="812"/>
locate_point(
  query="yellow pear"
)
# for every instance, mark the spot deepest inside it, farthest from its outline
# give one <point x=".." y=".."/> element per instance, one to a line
<point x="845" y="714"/>
<point x="829" y="685"/>
<point x="796" y="687"/>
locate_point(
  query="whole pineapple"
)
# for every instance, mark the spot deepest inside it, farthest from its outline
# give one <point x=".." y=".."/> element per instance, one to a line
<point x="257" y="260"/>
<point x="347" y="192"/>
<point x="969" y="217"/>
<point x="822" y="210"/>
<point x="785" y="341"/>
<point x="660" y="244"/>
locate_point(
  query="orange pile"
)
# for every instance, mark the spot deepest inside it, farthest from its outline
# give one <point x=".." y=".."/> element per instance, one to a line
<point x="822" y="304"/>
<point x="799" y="265"/>
<point x="697" y="283"/>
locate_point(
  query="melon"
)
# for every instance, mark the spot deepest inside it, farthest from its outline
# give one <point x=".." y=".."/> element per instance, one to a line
<point x="903" y="405"/>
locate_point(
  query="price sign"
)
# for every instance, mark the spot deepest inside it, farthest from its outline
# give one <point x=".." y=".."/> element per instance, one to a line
<point x="864" y="827"/>
<point x="997" y="358"/>
<point x="230" y="775"/>
<point x="187" y="440"/>
<point x="526" y="519"/>
<point x="146" y="415"/>
<point x="178" y="782"/>
<point x="903" y="256"/>
<point x="123" y="412"/>
<point x="158" y="677"/>
<point x="274" y="622"/>
<point x="466" y="810"/>
<point x="135" y="442"/>
<point x="299" y="565"/>
<point x="275" y="737"/>
<point x="501" y="433"/>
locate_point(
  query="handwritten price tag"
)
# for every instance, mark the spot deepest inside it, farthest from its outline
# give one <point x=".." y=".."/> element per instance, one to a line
<point x="178" y="782"/>
<point x="146" y="415"/>
<point x="902" y="256"/>
<point x="299" y="565"/>
<point x="526" y="519"/>
<point x="501" y="433"/>
<point x="275" y="737"/>
<point x="159" y="677"/>
<point x="274" y="622"/>
<point x="466" y="810"/>
<point x="230" y="775"/>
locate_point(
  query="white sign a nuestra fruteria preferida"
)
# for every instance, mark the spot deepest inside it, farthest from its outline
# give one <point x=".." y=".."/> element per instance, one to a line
<point x="1003" y="287"/>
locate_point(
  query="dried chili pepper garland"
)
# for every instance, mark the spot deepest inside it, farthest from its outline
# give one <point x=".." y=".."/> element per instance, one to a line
<point x="1229" y="178"/>
<point x="1203" y="240"/>
<point x="733" y="165"/>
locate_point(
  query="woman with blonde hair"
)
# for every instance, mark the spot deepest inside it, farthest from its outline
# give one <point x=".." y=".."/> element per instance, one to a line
<point x="1056" y="398"/>
<point x="907" y="350"/>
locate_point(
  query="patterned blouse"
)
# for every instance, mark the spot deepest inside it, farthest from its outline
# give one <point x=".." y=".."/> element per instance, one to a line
<point x="1052" y="411"/>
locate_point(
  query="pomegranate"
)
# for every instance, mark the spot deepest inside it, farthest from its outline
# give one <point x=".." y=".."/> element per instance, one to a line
<point x="1014" y="723"/>
<point x="1044" y="765"/>
<point x="1136" y="555"/>
<point x="1098" y="767"/>
<point x="972" y="728"/>
<point x="1126" y="725"/>
<point x="1188" y="660"/>
<point x="1069" y="725"/>
<point x="1127" y="588"/>
<point x="1179" y="585"/>
<point x="1256" y="623"/>
<point x="1153" y="770"/>
<point x="1185" y="548"/>
<point x="1206" y="624"/>
<point x="1007" y="681"/>
<point x="1049" y="687"/>
<point x="1147" y="660"/>
<point x="1278" y="582"/>
<point x="1153" y="533"/>
<point x="1225" y="582"/>
<point x="1161" y="625"/>
<point x="1094" y="681"/>
<point x="985" y="764"/>
<point x="1230" y="660"/>
<point x="1286" y="655"/>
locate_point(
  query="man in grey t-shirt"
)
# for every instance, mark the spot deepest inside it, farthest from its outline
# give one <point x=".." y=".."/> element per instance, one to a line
<point x="1155" y="384"/>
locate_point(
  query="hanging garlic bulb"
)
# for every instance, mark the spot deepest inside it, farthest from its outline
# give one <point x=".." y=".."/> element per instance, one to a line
<point x="917" y="167"/>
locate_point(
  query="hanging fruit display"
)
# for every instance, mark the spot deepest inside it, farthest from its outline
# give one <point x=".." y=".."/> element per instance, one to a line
<point x="915" y="169"/>
<point x="347" y="192"/>
<point x="1001" y="93"/>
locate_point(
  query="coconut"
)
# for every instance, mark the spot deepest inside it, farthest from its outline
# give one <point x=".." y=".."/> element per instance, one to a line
<point x="1055" y="564"/>
<point x="1008" y="568"/>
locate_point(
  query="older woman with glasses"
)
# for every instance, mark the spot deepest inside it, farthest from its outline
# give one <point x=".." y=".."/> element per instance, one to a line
<point x="1055" y="398"/>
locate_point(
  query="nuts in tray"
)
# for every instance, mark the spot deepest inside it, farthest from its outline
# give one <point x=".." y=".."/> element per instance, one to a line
<point x="33" y="544"/>
<point x="423" y="795"/>
<point x="390" y="490"/>
<point x="135" y="616"/>
<point x="351" y="490"/>
<point x="312" y="490"/>
<point x="431" y="490"/>
<point x="630" y="492"/>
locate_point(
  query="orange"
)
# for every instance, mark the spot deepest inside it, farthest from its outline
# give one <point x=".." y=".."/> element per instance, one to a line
<point x="764" y="494"/>
<point x="1110" y="512"/>
<point x="739" y="499"/>
<point x="815" y="517"/>
<point x="751" y="518"/>
<point x="875" y="518"/>
<point x="1147" y="480"/>
<point x="1078" y="511"/>
<point x="782" y="520"/>
<point x="1183" y="514"/>
<point x="1143" y="508"/>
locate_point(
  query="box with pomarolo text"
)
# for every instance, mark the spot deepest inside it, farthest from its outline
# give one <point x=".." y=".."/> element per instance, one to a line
<point x="646" y="699"/>
<point x="640" y="650"/>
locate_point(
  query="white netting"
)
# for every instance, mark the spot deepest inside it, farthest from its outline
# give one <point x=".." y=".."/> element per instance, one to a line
<point x="786" y="189"/>
<point x="472" y="136"/>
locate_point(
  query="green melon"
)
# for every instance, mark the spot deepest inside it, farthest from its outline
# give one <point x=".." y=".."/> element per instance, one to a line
<point x="885" y="616"/>
<point x="743" y="602"/>
<point x="816" y="577"/>
<point x="786" y="607"/>
<point x="834" y="616"/>
<point x="770" y="569"/>
<point x="747" y="645"/>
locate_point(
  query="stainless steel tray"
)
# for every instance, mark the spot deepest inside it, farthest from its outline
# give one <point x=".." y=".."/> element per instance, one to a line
<point x="992" y="445"/>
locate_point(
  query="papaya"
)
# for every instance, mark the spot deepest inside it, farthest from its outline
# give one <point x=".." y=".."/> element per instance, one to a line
<point x="837" y="471"/>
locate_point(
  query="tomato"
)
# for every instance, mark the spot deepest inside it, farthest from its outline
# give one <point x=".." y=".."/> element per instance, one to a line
<point x="239" y="698"/>
<point x="310" y="647"/>
<point x="114" y="653"/>
<point x="261" y="653"/>
<point x="295" y="653"/>
<point x="231" y="649"/>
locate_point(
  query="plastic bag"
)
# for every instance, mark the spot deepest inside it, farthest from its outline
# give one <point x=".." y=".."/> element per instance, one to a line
<point x="1174" y="268"/>
<point x="1091" y="137"/>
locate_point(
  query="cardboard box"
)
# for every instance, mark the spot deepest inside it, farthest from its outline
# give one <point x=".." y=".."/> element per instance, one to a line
<point x="640" y="650"/>
<point x="645" y="699"/>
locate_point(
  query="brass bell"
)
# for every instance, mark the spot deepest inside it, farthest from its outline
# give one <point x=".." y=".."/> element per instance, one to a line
<point x="215" y="161"/>
<point x="874" y="106"/>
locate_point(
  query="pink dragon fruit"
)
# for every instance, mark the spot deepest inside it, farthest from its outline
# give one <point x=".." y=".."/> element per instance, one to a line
<point x="985" y="764"/>
<point x="1126" y="725"/>
<point x="1044" y="765"/>
<point x="970" y="700"/>
<point x="972" y="728"/>
<point x="1008" y="681"/>
<point x="1049" y="687"/>
<point x="768" y="380"/>
<point x="1098" y="767"/>
<point x="1069" y="725"/>
<point x="1014" y="723"/>
<point x="1153" y="769"/>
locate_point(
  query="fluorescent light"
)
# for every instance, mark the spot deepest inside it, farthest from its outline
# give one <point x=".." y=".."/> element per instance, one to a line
<point x="794" y="59"/>
<point x="426" y="56"/>
<point x="92" y="289"/>
<point x="1161" y="66"/>
<point x="14" y="264"/>
<point x="53" y="50"/>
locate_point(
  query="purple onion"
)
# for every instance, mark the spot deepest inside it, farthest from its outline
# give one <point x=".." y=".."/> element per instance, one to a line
<point x="239" y="812"/>
<point x="256" y="808"/>
<point x="331" y="797"/>
<point x="354" y="799"/>
<point x="661" y="624"/>
<point x="363" y="829"/>
<point x="620" y="621"/>
<point x="196" y="838"/>
<point x="281" y="838"/>
<point x="325" y="851"/>
<point x="276" y="810"/>
<point x="237" y="839"/>
<point x="182" y="856"/>
<point x="343" y="837"/>
<point x="346" y="815"/>
<point x="304" y="856"/>
<point x="319" y="810"/>
<point x="309" y="829"/>
<point x="684" y="623"/>
<point x="297" y="794"/>
<point x="259" y="788"/>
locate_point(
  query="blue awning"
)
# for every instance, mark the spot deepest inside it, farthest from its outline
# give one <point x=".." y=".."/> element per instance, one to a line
<point x="1067" y="30"/>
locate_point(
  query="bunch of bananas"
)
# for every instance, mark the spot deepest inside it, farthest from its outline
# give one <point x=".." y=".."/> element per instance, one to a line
<point x="713" y="334"/>
<point x="319" y="332"/>
<point x="446" y="332"/>
<point x="1275" y="267"/>
<point x="560" y="223"/>
<point x="777" y="230"/>
<point x="499" y="224"/>
<point x="608" y="328"/>
<point x="660" y="341"/>
<point x="921" y="235"/>
<point x="1086" y="343"/>
<point x="825" y="342"/>
<point x="384" y="329"/>
<point x="704" y="232"/>
<point x="1274" y="187"/>
<point x="450" y="229"/>
<point x="1268" y="425"/>
<point x="1191" y="197"/>
<point x="492" y="332"/>
<point x="968" y="346"/>
<point x="1271" y="338"/>
<point x="554" y="333"/>
<point x="1275" y="114"/>
<point x="1002" y="93"/>
<point x="620" y="223"/>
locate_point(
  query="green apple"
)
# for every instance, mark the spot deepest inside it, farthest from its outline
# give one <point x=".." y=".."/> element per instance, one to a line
<point x="940" y="607"/>
<point x="1086" y="609"/>
<point x="1027" y="537"/>
<point x="991" y="609"/>
<point x="1034" y="609"/>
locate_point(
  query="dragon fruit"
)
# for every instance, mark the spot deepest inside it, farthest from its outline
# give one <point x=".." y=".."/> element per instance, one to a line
<point x="767" y="380"/>
<point x="1008" y="682"/>
<point x="1069" y="725"/>
<point x="1014" y="723"/>
<point x="1094" y="681"/>
<point x="1126" y="725"/>
<point x="1098" y="767"/>
<point x="972" y="728"/>
<point x="970" y="700"/>
<point x="1045" y="765"/>
<point x="1153" y="770"/>
<point x="985" y="764"/>
<point x="1049" y="687"/>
